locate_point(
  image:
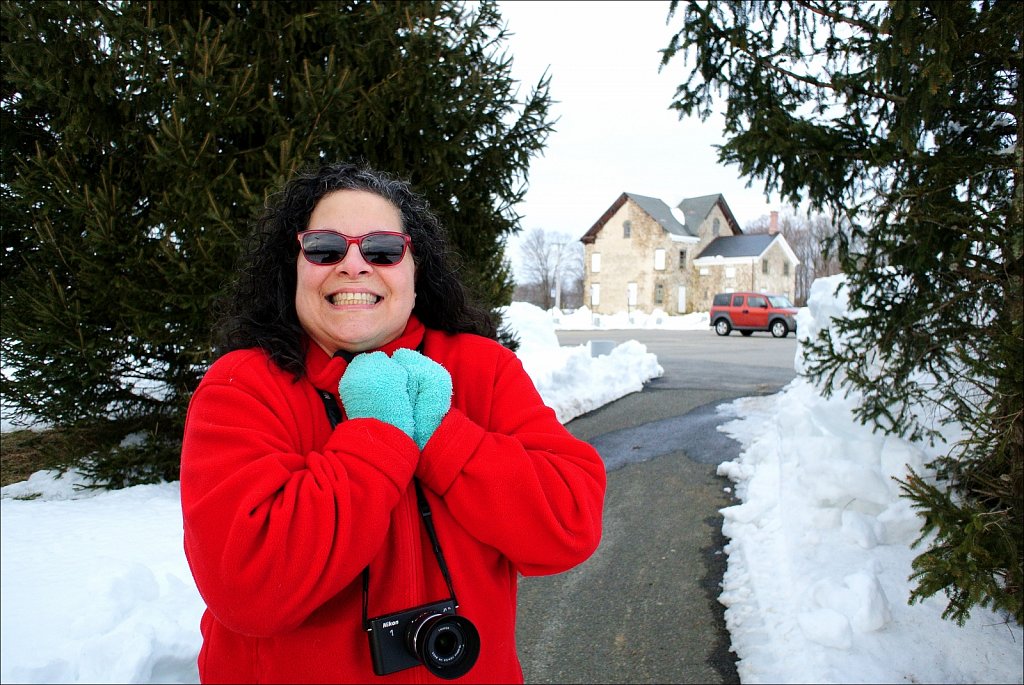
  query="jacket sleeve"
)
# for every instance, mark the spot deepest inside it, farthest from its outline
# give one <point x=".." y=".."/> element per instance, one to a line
<point x="512" y="475"/>
<point x="273" y="528"/>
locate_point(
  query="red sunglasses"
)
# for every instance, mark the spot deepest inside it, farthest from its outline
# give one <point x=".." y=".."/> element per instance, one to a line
<point x="380" y="248"/>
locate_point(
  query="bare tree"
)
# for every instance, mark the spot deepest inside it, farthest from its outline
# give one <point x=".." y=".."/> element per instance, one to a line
<point x="810" y="238"/>
<point x="550" y="262"/>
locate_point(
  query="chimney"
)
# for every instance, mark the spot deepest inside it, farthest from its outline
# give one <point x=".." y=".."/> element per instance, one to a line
<point x="773" y="225"/>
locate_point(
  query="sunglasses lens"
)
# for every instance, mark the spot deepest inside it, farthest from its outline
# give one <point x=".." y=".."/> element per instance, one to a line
<point x="383" y="249"/>
<point x="380" y="249"/>
<point x="324" y="248"/>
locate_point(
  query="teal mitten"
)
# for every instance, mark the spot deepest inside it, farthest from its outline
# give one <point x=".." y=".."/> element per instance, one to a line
<point x="376" y="387"/>
<point x="430" y="390"/>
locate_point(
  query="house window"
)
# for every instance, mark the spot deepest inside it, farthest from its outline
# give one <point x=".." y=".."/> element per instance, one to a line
<point x="730" y="272"/>
<point x="631" y="291"/>
<point x="659" y="293"/>
<point x="704" y="272"/>
<point x="659" y="259"/>
<point x="716" y="227"/>
<point x="595" y="294"/>
<point x="627" y="227"/>
<point x="785" y="268"/>
<point x="764" y="266"/>
<point x="595" y="263"/>
<point x="682" y="260"/>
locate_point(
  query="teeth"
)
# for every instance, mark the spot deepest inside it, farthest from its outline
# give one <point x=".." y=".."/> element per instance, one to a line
<point x="353" y="298"/>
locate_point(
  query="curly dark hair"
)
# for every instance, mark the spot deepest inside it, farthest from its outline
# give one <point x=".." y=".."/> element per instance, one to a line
<point x="259" y="310"/>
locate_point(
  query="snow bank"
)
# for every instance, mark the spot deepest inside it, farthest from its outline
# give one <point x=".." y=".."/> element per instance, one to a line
<point x="819" y="548"/>
<point x="583" y="319"/>
<point x="570" y="379"/>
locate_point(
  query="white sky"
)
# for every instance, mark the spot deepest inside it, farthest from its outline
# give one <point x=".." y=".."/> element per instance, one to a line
<point x="615" y="133"/>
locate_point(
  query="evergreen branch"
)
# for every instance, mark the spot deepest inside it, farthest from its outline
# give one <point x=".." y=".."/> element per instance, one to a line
<point x="871" y="29"/>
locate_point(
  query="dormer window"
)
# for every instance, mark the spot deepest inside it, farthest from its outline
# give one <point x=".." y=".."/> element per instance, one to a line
<point x="716" y="228"/>
<point x="627" y="226"/>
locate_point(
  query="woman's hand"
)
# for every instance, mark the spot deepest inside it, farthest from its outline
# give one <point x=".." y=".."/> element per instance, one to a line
<point x="429" y="389"/>
<point x="374" y="386"/>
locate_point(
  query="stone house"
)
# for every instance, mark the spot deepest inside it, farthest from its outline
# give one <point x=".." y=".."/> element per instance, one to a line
<point x="644" y="255"/>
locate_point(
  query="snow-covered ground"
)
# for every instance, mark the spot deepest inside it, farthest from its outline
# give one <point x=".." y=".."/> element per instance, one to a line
<point x="95" y="587"/>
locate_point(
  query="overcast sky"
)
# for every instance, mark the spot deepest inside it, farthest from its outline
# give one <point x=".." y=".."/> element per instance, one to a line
<point x="615" y="133"/>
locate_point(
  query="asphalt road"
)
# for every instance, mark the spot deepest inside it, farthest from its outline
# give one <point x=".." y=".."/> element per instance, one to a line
<point x="644" y="608"/>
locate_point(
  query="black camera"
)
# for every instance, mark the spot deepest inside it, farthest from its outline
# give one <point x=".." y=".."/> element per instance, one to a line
<point x="431" y="634"/>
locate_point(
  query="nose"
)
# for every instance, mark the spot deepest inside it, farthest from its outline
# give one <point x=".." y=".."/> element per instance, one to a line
<point x="353" y="263"/>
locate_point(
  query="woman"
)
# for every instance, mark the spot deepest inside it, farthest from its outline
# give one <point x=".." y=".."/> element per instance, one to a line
<point x="357" y="379"/>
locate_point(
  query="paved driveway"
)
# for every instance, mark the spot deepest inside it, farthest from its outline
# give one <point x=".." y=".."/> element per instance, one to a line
<point x="644" y="608"/>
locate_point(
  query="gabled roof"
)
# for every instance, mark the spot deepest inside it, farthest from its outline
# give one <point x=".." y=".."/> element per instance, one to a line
<point x="591" y="234"/>
<point x="681" y="222"/>
<point x="745" y="246"/>
<point x="663" y="214"/>
<point x="696" y="209"/>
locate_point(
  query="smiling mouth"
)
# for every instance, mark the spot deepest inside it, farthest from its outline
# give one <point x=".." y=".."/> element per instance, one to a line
<point x="340" y="299"/>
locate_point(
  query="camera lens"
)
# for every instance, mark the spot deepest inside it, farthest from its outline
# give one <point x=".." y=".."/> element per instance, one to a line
<point x="447" y="645"/>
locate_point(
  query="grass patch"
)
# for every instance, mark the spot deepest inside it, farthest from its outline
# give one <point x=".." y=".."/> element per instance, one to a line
<point x="23" y="452"/>
<point x="97" y="449"/>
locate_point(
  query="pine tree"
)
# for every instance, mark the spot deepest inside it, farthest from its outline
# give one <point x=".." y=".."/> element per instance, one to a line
<point x="141" y="139"/>
<point x="904" y="118"/>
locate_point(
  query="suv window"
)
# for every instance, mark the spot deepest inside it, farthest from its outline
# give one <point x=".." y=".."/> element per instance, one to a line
<point x="781" y="301"/>
<point x="721" y="300"/>
<point x="755" y="301"/>
<point x="737" y="301"/>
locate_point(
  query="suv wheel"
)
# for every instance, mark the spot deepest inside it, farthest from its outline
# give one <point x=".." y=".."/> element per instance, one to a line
<point x="722" y="327"/>
<point x="780" y="329"/>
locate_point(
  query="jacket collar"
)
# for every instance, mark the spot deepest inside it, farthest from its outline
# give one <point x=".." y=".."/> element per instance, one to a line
<point x="324" y="372"/>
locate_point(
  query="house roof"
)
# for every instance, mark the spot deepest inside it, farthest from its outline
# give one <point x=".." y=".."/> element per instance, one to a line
<point x="681" y="221"/>
<point x="696" y="209"/>
<point x="663" y="214"/>
<point x="742" y="246"/>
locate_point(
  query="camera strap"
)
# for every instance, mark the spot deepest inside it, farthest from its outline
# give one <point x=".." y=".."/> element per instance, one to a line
<point x="335" y="417"/>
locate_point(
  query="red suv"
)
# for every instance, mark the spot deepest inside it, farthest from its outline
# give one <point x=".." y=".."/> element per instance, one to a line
<point x="749" y="312"/>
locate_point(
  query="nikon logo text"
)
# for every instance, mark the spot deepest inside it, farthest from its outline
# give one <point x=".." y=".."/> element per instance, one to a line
<point x="388" y="624"/>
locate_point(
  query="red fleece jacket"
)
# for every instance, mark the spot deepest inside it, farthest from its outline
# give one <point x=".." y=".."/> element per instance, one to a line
<point x="282" y="513"/>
